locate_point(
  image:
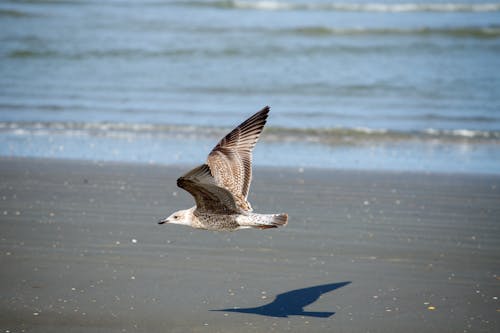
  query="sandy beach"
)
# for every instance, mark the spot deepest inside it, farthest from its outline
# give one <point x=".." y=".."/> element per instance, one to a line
<point x="80" y="251"/>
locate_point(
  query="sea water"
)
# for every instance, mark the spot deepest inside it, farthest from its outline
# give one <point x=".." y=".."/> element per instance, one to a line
<point x="411" y="85"/>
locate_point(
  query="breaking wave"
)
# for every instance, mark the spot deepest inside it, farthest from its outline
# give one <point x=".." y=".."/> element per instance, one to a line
<point x="492" y="32"/>
<point x="477" y="32"/>
<point x="334" y="136"/>
<point x="12" y="13"/>
<point x="349" y="7"/>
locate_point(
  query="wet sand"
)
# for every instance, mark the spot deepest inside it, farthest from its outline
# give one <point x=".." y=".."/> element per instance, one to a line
<point x="80" y="251"/>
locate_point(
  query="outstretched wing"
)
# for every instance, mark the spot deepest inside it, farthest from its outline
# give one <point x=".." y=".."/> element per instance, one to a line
<point x="231" y="159"/>
<point x="209" y="197"/>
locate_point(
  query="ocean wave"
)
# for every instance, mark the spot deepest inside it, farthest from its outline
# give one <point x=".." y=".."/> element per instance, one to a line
<point x="282" y="5"/>
<point x="477" y="32"/>
<point x="349" y="7"/>
<point x="111" y="53"/>
<point x="259" y="51"/>
<point x="12" y="13"/>
<point x="331" y="136"/>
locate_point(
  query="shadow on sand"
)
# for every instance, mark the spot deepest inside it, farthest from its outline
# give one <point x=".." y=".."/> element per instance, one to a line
<point x="292" y="303"/>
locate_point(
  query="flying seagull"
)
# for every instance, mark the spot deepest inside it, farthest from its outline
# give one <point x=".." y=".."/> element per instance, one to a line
<point x="220" y="187"/>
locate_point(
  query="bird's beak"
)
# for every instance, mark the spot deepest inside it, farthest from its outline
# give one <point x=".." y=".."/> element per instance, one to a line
<point x="165" y="220"/>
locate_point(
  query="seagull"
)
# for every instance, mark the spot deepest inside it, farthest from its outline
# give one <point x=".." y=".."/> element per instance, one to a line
<point x="220" y="186"/>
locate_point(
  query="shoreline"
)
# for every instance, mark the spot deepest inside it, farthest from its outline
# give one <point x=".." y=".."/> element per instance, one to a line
<point x="397" y="250"/>
<point x="184" y="167"/>
<point x="345" y="152"/>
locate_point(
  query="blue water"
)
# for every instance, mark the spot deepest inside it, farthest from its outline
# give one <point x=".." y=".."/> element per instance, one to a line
<point x="352" y="84"/>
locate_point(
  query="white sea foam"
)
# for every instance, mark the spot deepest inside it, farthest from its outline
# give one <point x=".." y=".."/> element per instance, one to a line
<point x="462" y="133"/>
<point x="467" y="133"/>
<point x="366" y="7"/>
<point x="370" y="130"/>
<point x="278" y="134"/>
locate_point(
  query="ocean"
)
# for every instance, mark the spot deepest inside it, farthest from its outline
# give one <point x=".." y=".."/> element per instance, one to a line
<point x="385" y="85"/>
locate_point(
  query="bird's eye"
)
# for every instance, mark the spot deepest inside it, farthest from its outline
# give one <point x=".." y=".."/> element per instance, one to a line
<point x="176" y="217"/>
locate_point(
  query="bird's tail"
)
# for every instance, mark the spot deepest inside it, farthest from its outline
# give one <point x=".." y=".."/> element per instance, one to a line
<point x="264" y="221"/>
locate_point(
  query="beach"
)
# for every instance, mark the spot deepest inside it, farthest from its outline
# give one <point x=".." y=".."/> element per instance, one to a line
<point x="382" y="146"/>
<point x="81" y="251"/>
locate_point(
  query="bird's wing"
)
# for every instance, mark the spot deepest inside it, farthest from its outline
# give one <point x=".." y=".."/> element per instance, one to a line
<point x="231" y="159"/>
<point x="209" y="197"/>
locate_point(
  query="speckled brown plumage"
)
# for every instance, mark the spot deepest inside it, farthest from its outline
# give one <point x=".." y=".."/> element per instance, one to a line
<point x="220" y="187"/>
<point x="231" y="159"/>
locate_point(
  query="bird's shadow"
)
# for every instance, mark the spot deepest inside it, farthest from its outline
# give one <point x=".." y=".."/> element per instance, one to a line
<point x="292" y="303"/>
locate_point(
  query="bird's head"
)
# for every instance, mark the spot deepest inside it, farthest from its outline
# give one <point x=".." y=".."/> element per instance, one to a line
<point x="179" y="217"/>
